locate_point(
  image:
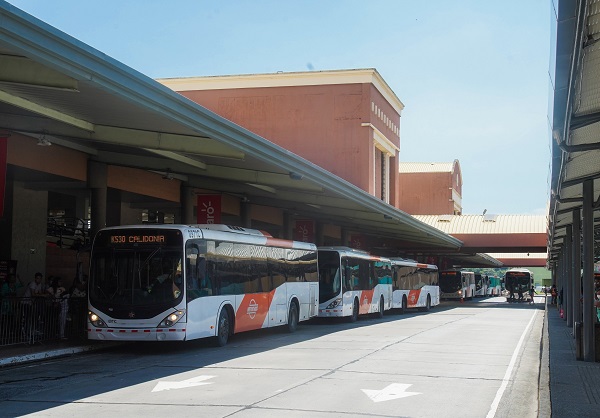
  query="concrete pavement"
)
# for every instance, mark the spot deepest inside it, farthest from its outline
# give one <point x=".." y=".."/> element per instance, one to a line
<point x="567" y="387"/>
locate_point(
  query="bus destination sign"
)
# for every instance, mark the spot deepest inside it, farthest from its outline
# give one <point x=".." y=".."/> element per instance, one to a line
<point x="135" y="237"/>
<point x="132" y="239"/>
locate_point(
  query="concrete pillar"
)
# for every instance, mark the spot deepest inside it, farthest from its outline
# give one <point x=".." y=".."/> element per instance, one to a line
<point x="188" y="200"/>
<point x="245" y="217"/>
<point x="576" y="266"/>
<point x="589" y="311"/>
<point x="97" y="182"/>
<point x="30" y="215"/>
<point x="561" y="278"/>
<point x="345" y="237"/>
<point x="319" y="234"/>
<point x="569" y="277"/>
<point x="288" y="225"/>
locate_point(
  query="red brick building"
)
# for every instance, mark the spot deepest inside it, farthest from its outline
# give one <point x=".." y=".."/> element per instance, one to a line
<point x="430" y="188"/>
<point x="347" y="122"/>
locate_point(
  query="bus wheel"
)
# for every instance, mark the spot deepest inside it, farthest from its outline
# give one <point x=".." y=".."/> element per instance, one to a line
<point x="354" y="316"/>
<point x="404" y="303"/>
<point x="292" y="324"/>
<point x="381" y="307"/>
<point x="223" y="331"/>
<point x="427" y="306"/>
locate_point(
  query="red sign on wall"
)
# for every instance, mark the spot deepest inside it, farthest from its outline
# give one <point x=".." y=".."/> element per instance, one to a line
<point x="209" y="209"/>
<point x="3" y="156"/>
<point x="304" y="231"/>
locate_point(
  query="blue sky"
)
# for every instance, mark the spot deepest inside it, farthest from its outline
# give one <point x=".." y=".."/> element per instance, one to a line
<point x="473" y="75"/>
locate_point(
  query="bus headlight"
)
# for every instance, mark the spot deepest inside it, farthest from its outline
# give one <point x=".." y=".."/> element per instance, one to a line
<point x="334" y="304"/>
<point x="95" y="320"/>
<point x="172" y="319"/>
<point x="460" y="292"/>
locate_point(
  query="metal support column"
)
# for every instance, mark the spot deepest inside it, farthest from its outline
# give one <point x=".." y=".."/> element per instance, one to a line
<point x="97" y="182"/>
<point x="576" y="266"/>
<point x="187" y="204"/>
<point x="568" y="296"/>
<point x="288" y="225"/>
<point x="245" y="216"/>
<point x="589" y="315"/>
<point x="562" y="279"/>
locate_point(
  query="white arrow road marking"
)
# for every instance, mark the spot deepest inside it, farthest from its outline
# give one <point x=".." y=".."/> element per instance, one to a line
<point x="188" y="383"/>
<point x="393" y="391"/>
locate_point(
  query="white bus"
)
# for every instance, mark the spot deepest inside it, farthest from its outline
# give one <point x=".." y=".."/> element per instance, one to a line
<point x="518" y="282"/>
<point x="180" y="282"/>
<point x="353" y="283"/>
<point x="457" y="284"/>
<point x="481" y="284"/>
<point x="494" y="287"/>
<point x="415" y="285"/>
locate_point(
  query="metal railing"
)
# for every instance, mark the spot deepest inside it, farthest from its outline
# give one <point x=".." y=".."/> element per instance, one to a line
<point x="38" y="320"/>
<point x="68" y="231"/>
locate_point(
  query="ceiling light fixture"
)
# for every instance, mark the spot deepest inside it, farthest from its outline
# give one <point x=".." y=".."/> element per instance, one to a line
<point x="168" y="175"/>
<point x="43" y="141"/>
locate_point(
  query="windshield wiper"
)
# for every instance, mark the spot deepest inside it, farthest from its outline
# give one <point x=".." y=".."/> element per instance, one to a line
<point x="152" y="254"/>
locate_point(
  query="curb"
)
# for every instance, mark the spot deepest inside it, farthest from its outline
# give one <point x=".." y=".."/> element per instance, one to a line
<point x="544" y="399"/>
<point x="53" y="353"/>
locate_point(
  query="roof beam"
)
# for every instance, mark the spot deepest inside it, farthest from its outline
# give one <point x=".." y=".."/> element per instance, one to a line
<point x="178" y="157"/>
<point x="579" y="148"/>
<point x="23" y="71"/>
<point x="45" y="111"/>
<point x="195" y="145"/>
<point x="583" y="121"/>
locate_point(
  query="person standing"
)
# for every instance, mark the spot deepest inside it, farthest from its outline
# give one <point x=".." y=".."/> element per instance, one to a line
<point x="30" y="307"/>
<point x="61" y="302"/>
<point x="531" y="293"/>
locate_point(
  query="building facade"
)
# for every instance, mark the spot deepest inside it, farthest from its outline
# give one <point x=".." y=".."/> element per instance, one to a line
<point x="347" y="122"/>
<point x="430" y="188"/>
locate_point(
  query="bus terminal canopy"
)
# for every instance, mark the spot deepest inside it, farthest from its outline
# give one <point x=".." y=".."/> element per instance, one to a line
<point x="53" y="86"/>
<point x="575" y="120"/>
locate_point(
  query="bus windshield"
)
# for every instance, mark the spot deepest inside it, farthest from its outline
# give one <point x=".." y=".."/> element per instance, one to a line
<point x="517" y="278"/>
<point x="129" y="275"/>
<point x="330" y="282"/>
<point x="478" y="281"/>
<point x="450" y="281"/>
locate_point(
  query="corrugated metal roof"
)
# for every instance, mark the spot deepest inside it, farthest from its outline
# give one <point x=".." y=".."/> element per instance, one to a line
<point x="542" y="256"/>
<point x="487" y="224"/>
<point x="426" y="167"/>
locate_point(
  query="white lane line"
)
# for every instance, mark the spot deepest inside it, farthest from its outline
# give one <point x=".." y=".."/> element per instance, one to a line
<point x="511" y="366"/>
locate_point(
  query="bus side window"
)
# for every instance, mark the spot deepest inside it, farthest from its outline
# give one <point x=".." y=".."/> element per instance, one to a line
<point x="347" y="278"/>
<point x="191" y="275"/>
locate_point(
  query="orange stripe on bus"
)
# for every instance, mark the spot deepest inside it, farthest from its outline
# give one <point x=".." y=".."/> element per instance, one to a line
<point x="252" y="311"/>
<point x="366" y="297"/>
<point x="413" y="298"/>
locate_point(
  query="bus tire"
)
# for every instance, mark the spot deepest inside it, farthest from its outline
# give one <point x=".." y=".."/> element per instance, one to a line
<point x="381" y="308"/>
<point x="404" y="305"/>
<point x="224" y="328"/>
<point x="293" y="317"/>
<point x="427" y="306"/>
<point x="354" y="316"/>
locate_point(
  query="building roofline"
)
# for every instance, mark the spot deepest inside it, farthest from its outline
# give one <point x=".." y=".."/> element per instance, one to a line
<point x="286" y="79"/>
<point x="35" y="38"/>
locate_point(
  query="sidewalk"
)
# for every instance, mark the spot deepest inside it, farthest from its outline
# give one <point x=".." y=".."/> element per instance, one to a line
<point x="574" y="385"/>
<point x="19" y="354"/>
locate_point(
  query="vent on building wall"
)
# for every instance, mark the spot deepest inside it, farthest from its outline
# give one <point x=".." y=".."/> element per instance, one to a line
<point x="445" y="218"/>
<point x="489" y="217"/>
